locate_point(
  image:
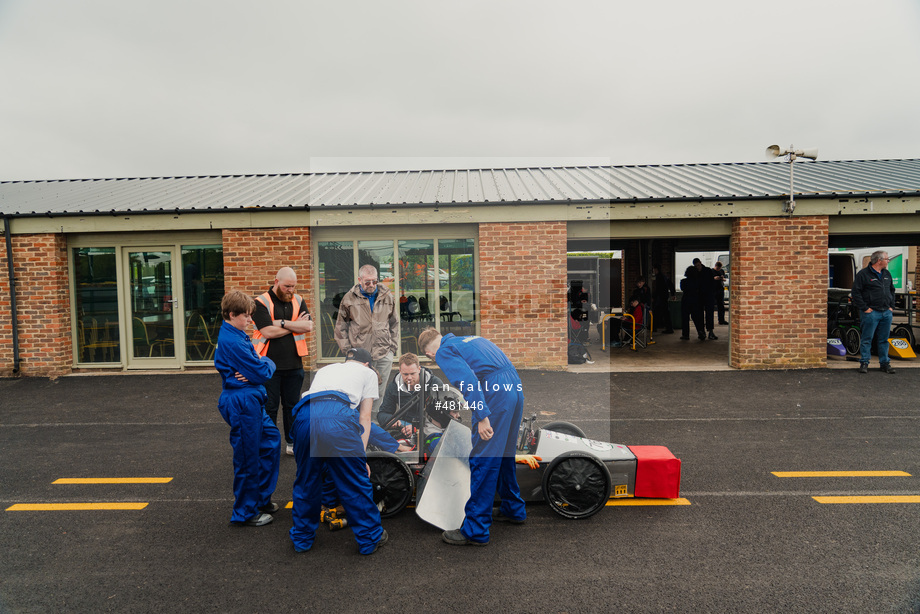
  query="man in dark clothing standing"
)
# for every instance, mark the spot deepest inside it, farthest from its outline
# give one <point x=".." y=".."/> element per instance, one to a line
<point x="873" y="297"/>
<point x="706" y="281"/>
<point x="718" y="291"/>
<point x="282" y="321"/>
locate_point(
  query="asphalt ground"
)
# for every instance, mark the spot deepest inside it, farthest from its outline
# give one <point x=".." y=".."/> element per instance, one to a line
<point x="748" y="542"/>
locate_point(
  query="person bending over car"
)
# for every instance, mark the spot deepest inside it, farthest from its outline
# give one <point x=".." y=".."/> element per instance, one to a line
<point x="489" y="382"/>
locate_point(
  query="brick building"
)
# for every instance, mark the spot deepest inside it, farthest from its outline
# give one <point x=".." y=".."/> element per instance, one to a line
<point x="127" y="273"/>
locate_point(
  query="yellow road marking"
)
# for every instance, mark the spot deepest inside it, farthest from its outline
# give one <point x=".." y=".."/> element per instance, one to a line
<point x="112" y="481"/>
<point x="69" y="507"/>
<point x="840" y="474"/>
<point x="870" y="499"/>
<point x="639" y="501"/>
<point x="289" y="506"/>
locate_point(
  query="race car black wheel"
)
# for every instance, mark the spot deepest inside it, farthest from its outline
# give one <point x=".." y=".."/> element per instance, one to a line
<point x="566" y="428"/>
<point x="392" y="482"/>
<point x="836" y="333"/>
<point x="903" y="331"/>
<point x="851" y="341"/>
<point x="576" y="485"/>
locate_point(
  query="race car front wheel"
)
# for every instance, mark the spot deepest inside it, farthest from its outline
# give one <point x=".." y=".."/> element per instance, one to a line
<point x="391" y="482"/>
<point x="576" y="484"/>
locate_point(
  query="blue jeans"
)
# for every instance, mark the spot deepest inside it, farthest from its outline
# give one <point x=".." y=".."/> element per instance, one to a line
<point x="875" y="325"/>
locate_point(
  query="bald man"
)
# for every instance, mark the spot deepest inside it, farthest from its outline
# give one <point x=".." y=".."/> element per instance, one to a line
<point x="282" y="321"/>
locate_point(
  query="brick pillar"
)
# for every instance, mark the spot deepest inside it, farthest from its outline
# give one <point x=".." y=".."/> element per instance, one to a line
<point x="522" y="281"/>
<point x="253" y="256"/>
<point x="43" y="306"/>
<point x="779" y="293"/>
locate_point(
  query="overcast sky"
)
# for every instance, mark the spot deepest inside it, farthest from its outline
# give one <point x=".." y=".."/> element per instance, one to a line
<point x="138" y="88"/>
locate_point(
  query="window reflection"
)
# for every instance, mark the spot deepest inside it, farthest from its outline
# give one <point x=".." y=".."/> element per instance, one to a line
<point x="458" y="307"/>
<point x="434" y="281"/>
<point x="96" y="298"/>
<point x="337" y="275"/>
<point x="202" y="290"/>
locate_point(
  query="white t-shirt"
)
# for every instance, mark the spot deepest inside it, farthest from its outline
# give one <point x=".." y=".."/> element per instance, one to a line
<point x="350" y="377"/>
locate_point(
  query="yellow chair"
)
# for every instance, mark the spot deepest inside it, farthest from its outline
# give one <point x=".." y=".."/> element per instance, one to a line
<point x="198" y="337"/>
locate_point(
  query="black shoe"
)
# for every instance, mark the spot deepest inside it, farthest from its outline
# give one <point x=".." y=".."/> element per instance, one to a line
<point x="712" y="336"/>
<point x="383" y="540"/>
<point x="684" y="338"/>
<point x="271" y="508"/>
<point x="723" y="323"/>
<point x="456" y="538"/>
<point x="702" y="337"/>
<point x="498" y="516"/>
<point x="887" y="368"/>
<point x="863" y="367"/>
<point x="259" y="520"/>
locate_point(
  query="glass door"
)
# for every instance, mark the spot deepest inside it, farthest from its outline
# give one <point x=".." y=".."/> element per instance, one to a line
<point x="151" y="332"/>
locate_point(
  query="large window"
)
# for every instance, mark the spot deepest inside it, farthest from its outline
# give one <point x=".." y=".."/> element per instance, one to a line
<point x="142" y="302"/>
<point x="96" y="304"/>
<point x="433" y="280"/>
<point x="203" y="288"/>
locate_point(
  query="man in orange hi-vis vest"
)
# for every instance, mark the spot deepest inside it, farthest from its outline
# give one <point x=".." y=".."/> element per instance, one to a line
<point x="282" y="322"/>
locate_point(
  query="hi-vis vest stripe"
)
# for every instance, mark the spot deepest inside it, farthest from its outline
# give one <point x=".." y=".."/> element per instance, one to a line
<point x="260" y="343"/>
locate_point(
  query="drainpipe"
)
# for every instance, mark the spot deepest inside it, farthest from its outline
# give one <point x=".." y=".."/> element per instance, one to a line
<point x="13" y="317"/>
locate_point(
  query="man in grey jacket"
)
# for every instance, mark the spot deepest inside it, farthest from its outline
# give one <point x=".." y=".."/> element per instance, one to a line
<point x="368" y="319"/>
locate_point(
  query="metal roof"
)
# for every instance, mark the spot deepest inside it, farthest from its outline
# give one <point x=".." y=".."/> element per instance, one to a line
<point x="594" y="184"/>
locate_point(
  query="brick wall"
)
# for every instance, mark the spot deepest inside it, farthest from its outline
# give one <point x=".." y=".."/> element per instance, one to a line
<point x="779" y="293"/>
<point x="522" y="278"/>
<point x="43" y="306"/>
<point x="253" y="256"/>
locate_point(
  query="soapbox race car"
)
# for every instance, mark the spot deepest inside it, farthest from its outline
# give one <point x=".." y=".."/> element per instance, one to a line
<point x="576" y="476"/>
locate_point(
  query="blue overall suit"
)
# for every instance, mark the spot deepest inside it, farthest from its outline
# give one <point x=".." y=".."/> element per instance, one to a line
<point x="253" y="435"/>
<point x="491" y="386"/>
<point x="379" y="438"/>
<point x="327" y="434"/>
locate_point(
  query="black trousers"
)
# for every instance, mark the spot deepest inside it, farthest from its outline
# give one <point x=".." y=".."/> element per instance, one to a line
<point x="284" y="386"/>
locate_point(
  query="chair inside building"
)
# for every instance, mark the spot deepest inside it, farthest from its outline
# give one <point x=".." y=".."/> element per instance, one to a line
<point x="635" y="334"/>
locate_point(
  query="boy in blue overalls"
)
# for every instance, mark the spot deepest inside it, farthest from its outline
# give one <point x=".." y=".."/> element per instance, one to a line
<point x="489" y="382"/>
<point x="253" y="435"/>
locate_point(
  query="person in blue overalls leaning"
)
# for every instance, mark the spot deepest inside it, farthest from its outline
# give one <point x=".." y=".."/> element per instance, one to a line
<point x="332" y="424"/>
<point x="253" y="435"/>
<point x="489" y="382"/>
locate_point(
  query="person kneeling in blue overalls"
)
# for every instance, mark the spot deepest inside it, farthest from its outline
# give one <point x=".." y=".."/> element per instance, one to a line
<point x="253" y="435"/>
<point x="489" y="382"/>
<point x="332" y="424"/>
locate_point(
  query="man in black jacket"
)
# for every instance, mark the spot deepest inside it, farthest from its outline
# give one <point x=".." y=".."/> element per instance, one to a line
<point x="873" y="297"/>
<point x="410" y="386"/>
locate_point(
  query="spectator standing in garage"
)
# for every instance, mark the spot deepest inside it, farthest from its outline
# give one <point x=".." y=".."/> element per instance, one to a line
<point x="873" y="296"/>
<point x="706" y="282"/>
<point x="690" y="304"/>
<point x="718" y="291"/>
<point x="489" y="382"/>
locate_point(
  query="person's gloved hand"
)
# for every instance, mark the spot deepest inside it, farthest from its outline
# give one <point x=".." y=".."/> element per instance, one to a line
<point x="528" y="459"/>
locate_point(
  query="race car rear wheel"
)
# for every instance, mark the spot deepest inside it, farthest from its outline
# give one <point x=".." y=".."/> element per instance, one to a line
<point x="391" y="482"/>
<point x="851" y="341"/>
<point x="566" y="428"/>
<point x="576" y="484"/>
